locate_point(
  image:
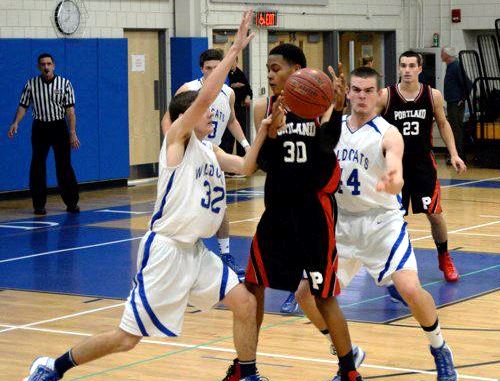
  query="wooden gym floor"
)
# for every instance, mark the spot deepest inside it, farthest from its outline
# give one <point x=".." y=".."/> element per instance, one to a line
<point x="64" y="277"/>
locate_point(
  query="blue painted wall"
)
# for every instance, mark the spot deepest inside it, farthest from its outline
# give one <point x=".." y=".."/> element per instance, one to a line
<point x="97" y="68"/>
<point x="185" y="53"/>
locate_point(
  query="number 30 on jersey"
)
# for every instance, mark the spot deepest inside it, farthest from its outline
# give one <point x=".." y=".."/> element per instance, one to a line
<point x="296" y="152"/>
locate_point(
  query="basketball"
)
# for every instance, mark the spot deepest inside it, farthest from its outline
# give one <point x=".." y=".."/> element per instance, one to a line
<point x="308" y="93"/>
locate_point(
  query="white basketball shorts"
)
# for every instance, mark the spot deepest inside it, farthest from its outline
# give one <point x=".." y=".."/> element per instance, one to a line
<point x="377" y="240"/>
<point x="169" y="276"/>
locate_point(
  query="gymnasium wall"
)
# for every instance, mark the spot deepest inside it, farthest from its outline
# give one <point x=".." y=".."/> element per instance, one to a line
<point x="97" y="69"/>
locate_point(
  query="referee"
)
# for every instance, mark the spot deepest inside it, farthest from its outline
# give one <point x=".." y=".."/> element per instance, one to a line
<point x="53" y="99"/>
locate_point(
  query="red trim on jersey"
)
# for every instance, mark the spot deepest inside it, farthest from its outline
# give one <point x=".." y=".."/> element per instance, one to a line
<point x="333" y="183"/>
<point x="431" y="97"/>
<point x="332" y="259"/>
<point x="435" y="205"/>
<point x="384" y="112"/>
<point x="420" y="91"/>
<point x="253" y="274"/>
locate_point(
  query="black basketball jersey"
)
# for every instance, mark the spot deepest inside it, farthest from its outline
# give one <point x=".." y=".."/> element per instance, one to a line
<point x="301" y="161"/>
<point x="414" y="119"/>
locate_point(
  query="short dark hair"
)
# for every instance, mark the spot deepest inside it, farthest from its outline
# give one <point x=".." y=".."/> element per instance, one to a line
<point x="291" y="54"/>
<point x="45" y="55"/>
<point x="411" y="53"/>
<point x="365" y="72"/>
<point x="367" y="60"/>
<point x="180" y="103"/>
<point x="211" y="55"/>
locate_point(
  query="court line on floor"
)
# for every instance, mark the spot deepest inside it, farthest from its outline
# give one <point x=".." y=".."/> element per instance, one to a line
<point x="187" y="347"/>
<point x="119" y="211"/>
<point x="63" y="317"/>
<point x="250" y="219"/>
<point x="459" y="230"/>
<point x="69" y="249"/>
<point x="470" y="182"/>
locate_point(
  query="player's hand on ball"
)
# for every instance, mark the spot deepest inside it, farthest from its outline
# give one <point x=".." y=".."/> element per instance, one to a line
<point x="339" y="87"/>
<point x="390" y="182"/>
<point x="458" y="164"/>
<point x="278" y="118"/>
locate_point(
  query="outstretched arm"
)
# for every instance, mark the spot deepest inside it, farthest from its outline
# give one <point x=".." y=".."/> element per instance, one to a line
<point x="446" y="132"/>
<point x="247" y="165"/>
<point x="181" y="130"/>
<point x="392" y="147"/>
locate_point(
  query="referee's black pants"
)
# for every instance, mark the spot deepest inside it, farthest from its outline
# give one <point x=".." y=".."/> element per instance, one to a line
<point x="43" y="136"/>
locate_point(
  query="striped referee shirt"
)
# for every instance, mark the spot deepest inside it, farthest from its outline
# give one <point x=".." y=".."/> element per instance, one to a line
<point x="50" y="99"/>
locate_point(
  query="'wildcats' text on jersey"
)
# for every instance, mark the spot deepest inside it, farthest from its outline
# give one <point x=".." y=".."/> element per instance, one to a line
<point x="413" y="118"/>
<point x="191" y="196"/>
<point x="362" y="163"/>
<point x="221" y="109"/>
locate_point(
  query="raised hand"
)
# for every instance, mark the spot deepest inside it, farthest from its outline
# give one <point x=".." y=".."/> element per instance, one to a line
<point x="242" y="37"/>
<point x="339" y="87"/>
<point x="278" y="118"/>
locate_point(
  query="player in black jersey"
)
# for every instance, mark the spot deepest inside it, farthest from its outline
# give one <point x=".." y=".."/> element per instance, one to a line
<point x="412" y="107"/>
<point x="296" y="233"/>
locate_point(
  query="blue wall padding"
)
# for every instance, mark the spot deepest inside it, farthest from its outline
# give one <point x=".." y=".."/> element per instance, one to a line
<point x="113" y="110"/>
<point x="185" y="53"/>
<point x="97" y="68"/>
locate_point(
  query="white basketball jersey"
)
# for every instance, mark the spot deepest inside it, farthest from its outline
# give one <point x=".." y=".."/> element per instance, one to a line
<point x="191" y="198"/>
<point x="221" y="109"/>
<point x="362" y="162"/>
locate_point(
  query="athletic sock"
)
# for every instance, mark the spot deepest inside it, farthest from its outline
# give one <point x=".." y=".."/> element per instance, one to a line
<point x="434" y="335"/>
<point x="442" y="247"/>
<point x="247" y="368"/>
<point x="223" y="245"/>
<point x="346" y="363"/>
<point x="64" y="363"/>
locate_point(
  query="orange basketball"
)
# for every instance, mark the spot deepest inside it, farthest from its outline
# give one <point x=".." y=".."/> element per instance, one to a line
<point x="308" y="93"/>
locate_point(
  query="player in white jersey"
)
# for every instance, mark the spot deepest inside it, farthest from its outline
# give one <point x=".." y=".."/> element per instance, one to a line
<point x="371" y="231"/>
<point x="174" y="267"/>
<point x="223" y="117"/>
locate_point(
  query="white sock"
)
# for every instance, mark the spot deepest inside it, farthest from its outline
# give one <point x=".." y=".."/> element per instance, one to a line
<point x="223" y="245"/>
<point x="434" y="335"/>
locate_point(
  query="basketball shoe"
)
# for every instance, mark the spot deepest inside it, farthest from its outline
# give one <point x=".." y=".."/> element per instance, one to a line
<point x="395" y="295"/>
<point x="444" y="363"/>
<point x="42" y="369"/>
<point x="234" y="374"/>
<point x="290" y="305"/>
<point x="359" y="357"/>
<point x="447" y="266"/>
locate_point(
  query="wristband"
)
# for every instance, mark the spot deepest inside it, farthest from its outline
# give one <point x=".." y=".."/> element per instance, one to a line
<point x="244" y="143"/>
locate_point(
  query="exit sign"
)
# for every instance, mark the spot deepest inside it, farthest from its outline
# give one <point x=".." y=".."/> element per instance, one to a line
<point x="266" y="18"/>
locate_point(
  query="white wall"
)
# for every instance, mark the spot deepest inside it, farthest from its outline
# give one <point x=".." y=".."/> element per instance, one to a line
<point x="106" y="18"/>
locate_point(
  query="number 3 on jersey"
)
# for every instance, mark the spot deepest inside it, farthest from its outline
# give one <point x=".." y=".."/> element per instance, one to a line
<point x="214" y="131"/>
<point x="207" y="201"/>
<point x="352" y="181"/>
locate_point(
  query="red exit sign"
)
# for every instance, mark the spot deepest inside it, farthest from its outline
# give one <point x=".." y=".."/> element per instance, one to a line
<point x="266" y="18"/>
